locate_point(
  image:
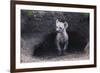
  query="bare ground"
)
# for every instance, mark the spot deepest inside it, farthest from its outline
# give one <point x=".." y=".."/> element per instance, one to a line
<point x="66" y="57"/>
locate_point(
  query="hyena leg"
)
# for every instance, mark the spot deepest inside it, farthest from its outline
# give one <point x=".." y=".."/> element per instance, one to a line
<point x="65" y="46"/>
<point x="59" y="48"/>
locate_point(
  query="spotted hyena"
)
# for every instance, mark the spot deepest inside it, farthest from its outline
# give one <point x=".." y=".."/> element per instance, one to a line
<point x="62" y="36"/>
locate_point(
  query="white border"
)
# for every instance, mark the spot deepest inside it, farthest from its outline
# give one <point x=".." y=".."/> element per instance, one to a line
<point x="53" y="64"/>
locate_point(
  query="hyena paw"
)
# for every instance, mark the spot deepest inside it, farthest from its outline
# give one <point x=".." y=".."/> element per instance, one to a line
<point x="61" y="53"/>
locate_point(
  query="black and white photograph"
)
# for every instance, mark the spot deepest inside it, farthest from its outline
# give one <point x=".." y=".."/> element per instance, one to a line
<point x="54" y="36"/>
<point x="49" y="35"/>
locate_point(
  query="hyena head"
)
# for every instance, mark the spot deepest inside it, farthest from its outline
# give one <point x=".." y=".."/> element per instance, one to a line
<point x="60" y="26"/>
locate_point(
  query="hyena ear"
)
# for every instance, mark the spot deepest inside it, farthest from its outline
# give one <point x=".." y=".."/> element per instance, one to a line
<point x="66" y="24"/>
<point x="57" y="21"/>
